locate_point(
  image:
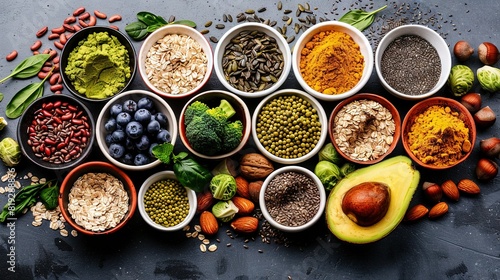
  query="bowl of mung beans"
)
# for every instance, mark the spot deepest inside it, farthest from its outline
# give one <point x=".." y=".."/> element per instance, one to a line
<point x="252" y="60"/>
<point x="364" y="128"/>
<point x="289" y="126"/>
<point x="292" y="198"/>
<point x="412" y="62"/>
<point x="164" y="203"/>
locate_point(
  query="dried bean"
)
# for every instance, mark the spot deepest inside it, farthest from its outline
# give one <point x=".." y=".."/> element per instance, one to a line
<point x="56" y="87"/>
<point x="36" y="45"/>
<point x="58" y="30"/>
<point x="58" y="45"/>
<point x="63" y="39"/>
<point x="78" y="11"/>
<point x="92" y="21"/>
<point x="11" y="56"/>
<point x="114" y="27"/>
<point x="54" y="36"/>
<point x="68" y="27"/>
<point x="82" y="23"/>
<point x="77" y="27"/>
<point x="100" y="14"/>
<point x="114" y="18"/>
<point x="84" y="16"/>
<point x="70" y="20"/>
<point x="42" y="31"/>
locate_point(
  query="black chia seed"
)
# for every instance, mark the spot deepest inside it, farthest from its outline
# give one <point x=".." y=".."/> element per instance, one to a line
<point x="411" y="65"/>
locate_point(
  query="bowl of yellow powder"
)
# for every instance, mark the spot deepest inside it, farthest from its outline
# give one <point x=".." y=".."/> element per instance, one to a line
<point x="332" y="60"/>
<point x="438" y="133"/>
<point x="98" y="63"/>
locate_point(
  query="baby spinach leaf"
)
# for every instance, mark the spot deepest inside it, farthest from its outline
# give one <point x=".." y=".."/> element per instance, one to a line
<point x="49" y="196"/>
<point x="29" y="67"/>
<point x="185" y="22"/>
<point x="360" y="19"/>
<point x="150" y="18"/>
<point x="148" y="23"/>
<point x="137" y="30"/>
<point x="23" y="99"/>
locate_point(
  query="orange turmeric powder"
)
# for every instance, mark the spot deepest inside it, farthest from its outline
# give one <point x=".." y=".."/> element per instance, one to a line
<point x="331" y="62"/>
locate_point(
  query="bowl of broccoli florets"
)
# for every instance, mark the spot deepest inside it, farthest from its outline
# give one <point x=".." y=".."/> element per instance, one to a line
<point x="215" y="124"/>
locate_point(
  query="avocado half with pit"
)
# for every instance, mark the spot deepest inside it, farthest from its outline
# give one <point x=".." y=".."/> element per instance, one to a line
<point x="397" y="175"/>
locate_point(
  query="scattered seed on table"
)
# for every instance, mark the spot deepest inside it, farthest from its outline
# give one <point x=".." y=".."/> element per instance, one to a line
<point x="279" y="6"/>
<point x="261" y="10"/>
<point x="229" y="18"/>
<point x="213" y="39"/>
<point x="208" y="23"/>
<point x="250" y="12"/>
<point x="220" y="26"/>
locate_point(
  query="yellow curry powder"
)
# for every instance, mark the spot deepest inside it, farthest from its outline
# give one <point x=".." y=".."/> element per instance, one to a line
<point x="439" y="137"/>
<point x="331" y="62"/>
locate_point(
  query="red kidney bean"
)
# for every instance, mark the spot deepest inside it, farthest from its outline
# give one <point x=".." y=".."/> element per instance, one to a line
<point x="56" y="59"/>
<point x="58" y="45"/>
<point x="114" y="27"/>
<point x="42" y="75"/>
<point x="92" y="20"/>
<point x="53" y="36"/>
<point x="36" y="52"/>
<point x="56" y="87"/>
<point x="36" y="45"/>
<point x="63" y="39"/>
<point x="82" y="23"/>
<point x="58" y="30"/>
<point x="54" y="79"/>
<point x="100" y="14"/>
<point x="77" y="27"/>
<point x="11" y="56"/>
<point x="42" y="31"/>
<point x="70" y="20"/>
<point x="78" y="11"/>
<point x="84" y="16"/>
<point x="68" y="27"/>
<point x="114" y="18"/>
<point x="52" y="53"/>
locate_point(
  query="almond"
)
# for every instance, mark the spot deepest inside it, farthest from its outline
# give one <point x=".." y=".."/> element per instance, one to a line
<point x="468" y="186"/>
<point x="208" y="223"/>
<point x="245" y="224"/>
<point x="415" y="213"/>
<point x="245" y="206"/>
<point x="438" y="210"/>
<point x="254" y="190"/>
<point x="450" y="190"/>
<point x="242" y="187"/>
<point x="205" y="201"/>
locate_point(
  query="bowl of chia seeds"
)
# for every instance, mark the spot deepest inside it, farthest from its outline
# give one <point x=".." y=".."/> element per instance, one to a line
<point x="292" y="199"/>
<point x="412" y="62"/>
<point x="252" y="60"/>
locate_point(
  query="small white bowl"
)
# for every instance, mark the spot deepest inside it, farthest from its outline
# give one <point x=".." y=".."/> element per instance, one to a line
<point x="161" y="106"/>
<point x="159" y="34"/>
<point x="297" y="169"/>
<point x="433" y="38"/>
<point x="140" y="201"/>
<point x="322" y="118"/>
<point x="233" y="32"/>
<point x="357" y="36"/>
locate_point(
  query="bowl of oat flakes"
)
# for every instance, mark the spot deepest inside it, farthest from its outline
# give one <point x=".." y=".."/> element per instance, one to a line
<point x="365" y="128"/>
<point x="97" y="198"/>
<point x="175" y="61"/>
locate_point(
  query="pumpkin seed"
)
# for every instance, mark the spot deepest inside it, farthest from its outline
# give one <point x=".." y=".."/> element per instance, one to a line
<point x="208" y="23"/>
<point x="220" y="26"/>
<point x="213" y="39"/>
<point x="301" y="7"/>
<point x="286" y="12"/>
<point x="261" y="10"/>
<point x="279" y="5"/>
<point x="229" y="18"/>
<point x="250" y="12"/>
<point x="224" y="18"/>
<point x="204" y="31"/>
<point x="171" y="19"/>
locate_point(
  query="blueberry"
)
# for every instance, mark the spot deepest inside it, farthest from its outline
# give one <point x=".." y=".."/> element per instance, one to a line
<point x="153" y="127"/>
<point x="142" y="143"/>
<point x="142" y="116"/>
<point x="162" y="119"/>
<point x="134" y="129"/>
<point x="109" y="139"/>
<point x="128" y="158"/>
<point x="123" y="119"/>
<point x="129" y="144"/>
<point x="118" y="136"/>
<point x="130" y="106"/>
<point x="141" y="159"/>
<point x="116" y="150"/>
<point x="163" y="136"/>
<point x="151" y="149"/>
<point x="116" y="109"/>
<point x="110" y="125"/>
<point x="145" y="103"/>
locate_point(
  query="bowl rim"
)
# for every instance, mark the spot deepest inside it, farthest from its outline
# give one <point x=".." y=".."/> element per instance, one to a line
<point x="21" y="133"/>
<point x="437" y="42"/>
<point x="104" y="166"/>
<point x="84" y="33"/>
<point x="105" y="113"/>
<point x="297" y="169"/>
<point x="162" y="32"/>
<point x="280" y="40"/>
<point x="382" y="101"/>
<point x="423" y="105"/>
<point x="322" y="118"/>
<point x="246" y="129"/>
<point x="359" y="38"/>
<point x="166" y="174"/>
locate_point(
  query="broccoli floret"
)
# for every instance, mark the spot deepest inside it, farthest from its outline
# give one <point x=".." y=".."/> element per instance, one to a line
<point x="196" y="108"/>
<point x="232" y="135"/>
<point x="228" y="109"/>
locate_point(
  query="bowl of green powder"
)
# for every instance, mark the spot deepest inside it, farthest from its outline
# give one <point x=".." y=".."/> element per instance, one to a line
<point x="98" y="63"/>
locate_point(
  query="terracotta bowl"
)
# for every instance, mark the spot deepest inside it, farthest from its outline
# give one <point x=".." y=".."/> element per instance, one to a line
<point x="419" y="108"/>
<point x="365" y="96"/>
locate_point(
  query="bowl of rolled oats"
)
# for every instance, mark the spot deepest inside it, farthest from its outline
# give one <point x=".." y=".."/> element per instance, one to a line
<point x="97" y="198"/>
<point x="365" y="128"/>
<point x="175" y="61"/>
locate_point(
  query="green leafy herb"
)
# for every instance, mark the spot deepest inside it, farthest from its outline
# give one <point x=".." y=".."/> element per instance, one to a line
<point x="28" y="67"/>
<point x="189" y="172"/>
<point x="360" y="19"/>
<point x="49" y="195"/>
<point x="24" y="98"/>
<point x="148" y="23"/>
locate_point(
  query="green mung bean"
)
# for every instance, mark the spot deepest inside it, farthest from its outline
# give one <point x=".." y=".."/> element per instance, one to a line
<point x="166" y="202"/>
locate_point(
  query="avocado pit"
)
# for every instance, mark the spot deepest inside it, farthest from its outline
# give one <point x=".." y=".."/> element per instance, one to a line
<point x="366" y="203"/>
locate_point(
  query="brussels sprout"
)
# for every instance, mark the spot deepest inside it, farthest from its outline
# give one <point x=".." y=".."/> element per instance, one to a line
<point x="3" y="123"/>
<point x="329" y="153"/>
<point x="223" y="186"/>
<point x="224" y="210"/>
<point x="461" y="79"/>
<point x="347" y="168"/>
<point x="328" y="173"/>
<point x="10" y="152"/>
<point x="489" y="78"/>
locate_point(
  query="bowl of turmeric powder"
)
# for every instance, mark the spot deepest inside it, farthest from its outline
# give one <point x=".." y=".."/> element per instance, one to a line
<point x="438" y="133"/>
<point x="332" y="60"/>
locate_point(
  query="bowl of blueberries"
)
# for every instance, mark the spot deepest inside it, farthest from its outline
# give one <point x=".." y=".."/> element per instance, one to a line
<point x="131" y="124"/>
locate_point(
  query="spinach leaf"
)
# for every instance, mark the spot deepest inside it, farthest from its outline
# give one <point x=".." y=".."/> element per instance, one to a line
<point x="191" y="174"/>
<point x="185" y="22"/>
<point x="360" y="19"/>
<point x="148" y="23"/>
<point x="137" y="30"/>
<point x="49" y="196"/>
<point x="150" y="18"/>
<point x="28" y="67"/>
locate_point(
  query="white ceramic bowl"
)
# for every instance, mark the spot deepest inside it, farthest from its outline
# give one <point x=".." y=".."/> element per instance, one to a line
<point x="322" y="118"/>
<point x="140" y="201"/>
<point x="357" y="36"/>
<point x="212" y="99"/>
<point x="433" y="38"/>
<point x="159" y="34"/>
<point x="233" y="32"/>
<point x="161" y="106"/>
<point x="297" y="169"/>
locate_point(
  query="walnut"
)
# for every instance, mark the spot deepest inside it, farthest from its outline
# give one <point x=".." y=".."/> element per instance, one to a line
<point x="254" y="166"/>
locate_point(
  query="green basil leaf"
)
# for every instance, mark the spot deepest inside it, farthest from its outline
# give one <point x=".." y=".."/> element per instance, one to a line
<point x="49" y="196"/>
<point x="149" y="18"/>
<point x="360" y="19"/>
<point x="137" y="30"/>
<point x="29" y="67"/>
<point x="185" y="22"/>
<point x="191" y="174"/>
<point x="23" y="99"/>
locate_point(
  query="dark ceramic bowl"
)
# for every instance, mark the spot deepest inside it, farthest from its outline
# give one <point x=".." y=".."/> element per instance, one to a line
<point x="82" y="35"/>
<point x="25" y="133"/>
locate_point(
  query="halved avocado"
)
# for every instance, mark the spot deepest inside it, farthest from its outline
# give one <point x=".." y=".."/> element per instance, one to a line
<point x="402" y="178"/>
